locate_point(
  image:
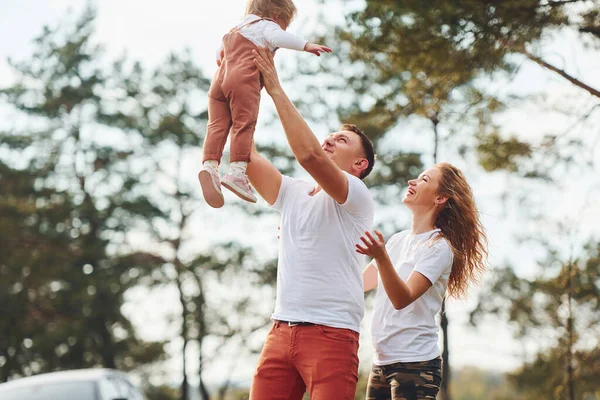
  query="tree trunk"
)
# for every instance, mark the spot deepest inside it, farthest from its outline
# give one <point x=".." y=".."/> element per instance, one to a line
<point x="203" y="391"/>
<point x="107" y="348"/>
<point x="200" y="318"/>
<point x="204" y="395"/>
<point x="181" y="269"/>
<point x="445" y="389"/>
<point x="570" y="378"/>
<point x="436" y="136"/>
<point x="184" y="382"/>
<point x="5" y="369"/>
<point x="184" y="333"/>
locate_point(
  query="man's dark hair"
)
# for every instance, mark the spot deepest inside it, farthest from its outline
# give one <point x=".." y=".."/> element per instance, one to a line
<point x="366" y="145"/>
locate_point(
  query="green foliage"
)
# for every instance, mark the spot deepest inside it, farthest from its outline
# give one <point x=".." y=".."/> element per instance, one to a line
<point x="395" y="61"/>
<point x="26" y="291"/>
<point x="75" y="200"/>
<point x="455" y="39"/>
<point x="439" y="63"/>
<point x="163" y="392"/>
<point x="71" y="197"/>
<point x="81" y="185"/>
<point x="544" y="377"/>
<point x="564" y="304"/>
<point x="496" y="153"/>
<point x="475" y="384"/>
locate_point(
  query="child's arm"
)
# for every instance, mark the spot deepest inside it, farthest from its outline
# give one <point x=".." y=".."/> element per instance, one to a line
<point x="277" y="37"/>
<point x="316" y="49"/>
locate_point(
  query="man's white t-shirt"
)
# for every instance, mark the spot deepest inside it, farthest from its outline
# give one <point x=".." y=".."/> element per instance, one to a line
<point x="411" y="334"/>
<point x="319" y="275"/>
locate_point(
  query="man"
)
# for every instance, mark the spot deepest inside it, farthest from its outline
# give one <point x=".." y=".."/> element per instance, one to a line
<point x="313" y="343"/>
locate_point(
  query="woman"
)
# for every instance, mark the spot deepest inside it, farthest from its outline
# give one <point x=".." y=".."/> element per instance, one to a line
<point x="446" y="248"/>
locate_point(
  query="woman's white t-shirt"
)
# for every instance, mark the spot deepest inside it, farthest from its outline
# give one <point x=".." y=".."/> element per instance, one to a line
<point x="411" y="334"/>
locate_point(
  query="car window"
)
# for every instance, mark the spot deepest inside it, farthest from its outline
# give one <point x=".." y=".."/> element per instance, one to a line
<point x="52" y="391"/>
<point x="129" y="390"/>
<point x="135" y="393"/>
<point x="110" y="389"/>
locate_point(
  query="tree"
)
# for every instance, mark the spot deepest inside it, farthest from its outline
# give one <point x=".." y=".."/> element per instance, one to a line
<point x="79" y="202"/>
<point x="109" y="195"/>
<point x="562" y="305"/>
<point x="27" y="216"/>
<point x="384" y="81"/>
<point x="400" y="62"/>
<point x="161" y="105"/>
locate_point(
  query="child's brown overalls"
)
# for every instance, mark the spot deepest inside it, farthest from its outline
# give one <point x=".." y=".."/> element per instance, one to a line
<point x="233" y="99"/>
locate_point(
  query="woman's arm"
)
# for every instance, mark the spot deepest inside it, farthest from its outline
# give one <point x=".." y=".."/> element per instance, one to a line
<point x="370" y="277"/>
<point x="400" y="293"/>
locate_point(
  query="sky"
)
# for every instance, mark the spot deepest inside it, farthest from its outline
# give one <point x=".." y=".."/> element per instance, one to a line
<point x="149" y="30"/>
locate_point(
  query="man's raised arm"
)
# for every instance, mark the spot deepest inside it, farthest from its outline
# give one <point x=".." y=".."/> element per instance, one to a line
<point x="264" y="177"/>
<point x="302" y="141"/>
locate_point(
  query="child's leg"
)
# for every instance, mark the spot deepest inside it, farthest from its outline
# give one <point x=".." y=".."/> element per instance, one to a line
<point x="217" y="130"/>
<point x="219" y="123"/>
<point x="244" y="103"/>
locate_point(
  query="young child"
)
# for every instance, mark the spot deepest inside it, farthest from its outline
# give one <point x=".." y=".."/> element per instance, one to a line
<point x="234" y="95"/>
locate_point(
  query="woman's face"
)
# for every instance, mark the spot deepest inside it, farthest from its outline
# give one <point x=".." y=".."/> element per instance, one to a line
<point x="423" y="191"/>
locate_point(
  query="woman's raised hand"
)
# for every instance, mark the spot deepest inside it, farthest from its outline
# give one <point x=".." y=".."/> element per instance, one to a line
<point x="373" y="247"/>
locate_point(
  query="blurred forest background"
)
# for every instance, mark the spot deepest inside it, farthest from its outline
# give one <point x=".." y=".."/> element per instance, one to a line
<point x="100" y="206"/>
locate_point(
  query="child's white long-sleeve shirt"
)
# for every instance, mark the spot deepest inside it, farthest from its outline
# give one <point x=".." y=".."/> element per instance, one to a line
<point x="268" y="34"/>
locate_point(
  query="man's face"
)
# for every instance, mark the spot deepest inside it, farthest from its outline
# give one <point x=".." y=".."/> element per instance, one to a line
<point x="344" y="148"/>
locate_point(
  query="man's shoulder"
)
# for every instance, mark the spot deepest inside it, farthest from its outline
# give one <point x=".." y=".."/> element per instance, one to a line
<point x="294" y="186"/>
<point x="354" y="178"/>
<point x="357" y="183"/>
<point x="359" y="195"/>
<point x="289" y="180"/>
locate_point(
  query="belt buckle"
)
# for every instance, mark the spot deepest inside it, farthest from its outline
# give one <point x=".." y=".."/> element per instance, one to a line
<point x="293" y="323"/>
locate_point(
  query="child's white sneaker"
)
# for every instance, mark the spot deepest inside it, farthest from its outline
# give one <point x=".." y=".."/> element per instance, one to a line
<point x="238" y="183"/>
<point x="211" y="186"/>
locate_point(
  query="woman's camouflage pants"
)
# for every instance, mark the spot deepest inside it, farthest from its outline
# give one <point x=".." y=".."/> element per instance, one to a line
<point x="405" y="381"/>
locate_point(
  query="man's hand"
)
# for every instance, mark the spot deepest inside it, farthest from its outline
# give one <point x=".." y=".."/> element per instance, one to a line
<point x="316" y="49"/>
<point x="263" y="59"/>
<point x="220" y="59"/>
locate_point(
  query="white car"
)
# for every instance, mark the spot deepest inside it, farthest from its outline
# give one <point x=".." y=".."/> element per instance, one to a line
<point x="83" y="384"/>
